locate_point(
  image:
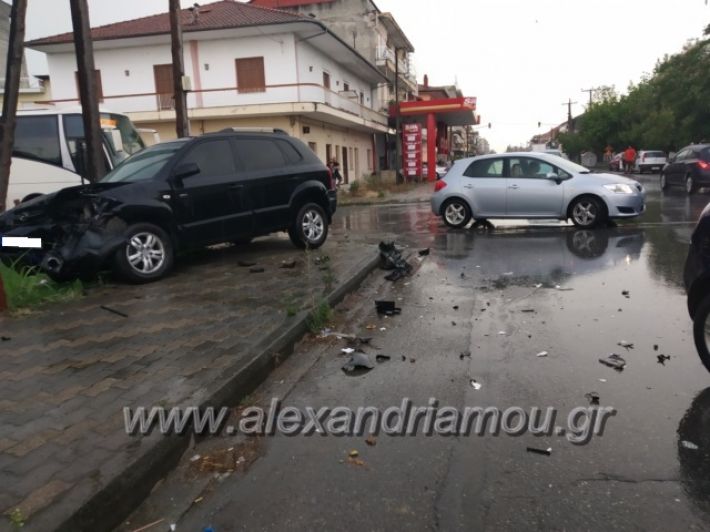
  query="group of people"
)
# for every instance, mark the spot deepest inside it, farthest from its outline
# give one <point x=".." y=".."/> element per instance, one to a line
<point x="628" y="158"/>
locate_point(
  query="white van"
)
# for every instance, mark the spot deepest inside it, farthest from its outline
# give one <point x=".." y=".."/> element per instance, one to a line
<point x="49" y="149"/>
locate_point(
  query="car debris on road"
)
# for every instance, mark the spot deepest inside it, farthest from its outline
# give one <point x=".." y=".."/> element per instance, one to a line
<point x="614" y="361"/>
<point x="391" y="259"/>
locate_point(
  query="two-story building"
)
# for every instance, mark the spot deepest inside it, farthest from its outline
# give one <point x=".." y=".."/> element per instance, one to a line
<point x="248" y="66"/>
<point x="377" y="37"/>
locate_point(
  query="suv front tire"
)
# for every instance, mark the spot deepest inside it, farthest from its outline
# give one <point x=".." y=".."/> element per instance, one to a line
<point x="310" y="227"/>
<point x="147" y="254"/>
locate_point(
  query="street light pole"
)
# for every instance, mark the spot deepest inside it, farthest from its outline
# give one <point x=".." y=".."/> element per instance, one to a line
<point x="398" y="139"/>
<point x="182" y="124"/>
<point x="88" y="93"/>
<point x="13" y="73"/>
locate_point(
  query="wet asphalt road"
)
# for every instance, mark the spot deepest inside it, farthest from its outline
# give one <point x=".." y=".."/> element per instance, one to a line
<point x="637" y="475"/>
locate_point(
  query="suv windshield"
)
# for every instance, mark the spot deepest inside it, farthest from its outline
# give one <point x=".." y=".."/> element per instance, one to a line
<point x="144" y="165"/>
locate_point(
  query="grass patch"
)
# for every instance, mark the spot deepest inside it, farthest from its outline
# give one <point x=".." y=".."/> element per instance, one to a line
<point x="319" y="317"/>
<point x="27" y="288"/>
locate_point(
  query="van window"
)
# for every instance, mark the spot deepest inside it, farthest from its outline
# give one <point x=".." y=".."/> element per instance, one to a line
<point x="37" y="137"/>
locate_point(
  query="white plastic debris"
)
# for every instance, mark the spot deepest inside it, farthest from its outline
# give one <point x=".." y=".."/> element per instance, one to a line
<point x="383" y="329"/>
<point x="541" y="354"/>
<point x="502" y="333"/>
<point x="602" y="380"/>
<point x="195" y="458"/>
<point x="476" y="385"/>
<point x="173" y="527"/>
<point x="348" y="350"/>
<point x="689" y="445"/>
<point x="508" y="274"/>
<point x="538" y="285"/>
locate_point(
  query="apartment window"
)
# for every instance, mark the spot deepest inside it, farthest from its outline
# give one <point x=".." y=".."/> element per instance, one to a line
<point x="250" y="74"/>
<point x="346" y="86"/>
<point x="164" y="87"/>
<point x="328" y="152"/>
<point x="369" y="159"/>
<point x="97" y="80"/>
<point x="326" y="80"/>
<point x="350" y="158"/>
<point x="314" y="147"/>
<point x="362" y="98"/>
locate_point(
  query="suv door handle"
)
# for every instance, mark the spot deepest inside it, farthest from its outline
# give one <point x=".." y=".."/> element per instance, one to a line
<point x="184" y="195"/>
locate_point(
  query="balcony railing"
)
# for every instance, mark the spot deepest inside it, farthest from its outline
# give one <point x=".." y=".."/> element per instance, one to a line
<point x="230" y="100"/>
<point x="385" y="54"/>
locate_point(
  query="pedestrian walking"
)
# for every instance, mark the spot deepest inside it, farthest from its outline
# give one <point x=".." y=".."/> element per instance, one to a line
<point x="629" y="159"/>
<point x="335" y="169"/>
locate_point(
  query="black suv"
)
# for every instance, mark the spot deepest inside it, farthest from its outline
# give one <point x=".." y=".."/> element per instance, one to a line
<point x="229" y="186"/>
<point x="690" y="167"/>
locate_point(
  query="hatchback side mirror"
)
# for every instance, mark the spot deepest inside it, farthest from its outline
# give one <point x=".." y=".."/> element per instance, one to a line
<point x="186" y="170"/>
<point x="554" y="177"/>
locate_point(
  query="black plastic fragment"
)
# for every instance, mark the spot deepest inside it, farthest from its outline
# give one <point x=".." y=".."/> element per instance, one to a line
<point x="114" y="311"/>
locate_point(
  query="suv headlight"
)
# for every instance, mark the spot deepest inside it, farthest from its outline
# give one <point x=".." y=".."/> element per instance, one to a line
<point x="620" y="188"/>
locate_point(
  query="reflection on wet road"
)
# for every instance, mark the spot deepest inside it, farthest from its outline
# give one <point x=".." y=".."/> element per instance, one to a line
<point x="481" y="306"/>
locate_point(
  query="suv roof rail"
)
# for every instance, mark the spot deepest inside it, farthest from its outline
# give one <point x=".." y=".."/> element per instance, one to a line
<point x="253" y="130"/>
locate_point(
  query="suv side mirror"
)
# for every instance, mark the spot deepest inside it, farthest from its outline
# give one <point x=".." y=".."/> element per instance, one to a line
<point x="186" y="170"/>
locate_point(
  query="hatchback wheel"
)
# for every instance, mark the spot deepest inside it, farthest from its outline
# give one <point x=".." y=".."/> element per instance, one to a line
<point x="310" y="228"/>
<point x="664" y="183"/>
<point x="587" y="212"/>
<point x="457" y="213"/>
<point x="690" y="186"/>
<point x="147" y="254"/>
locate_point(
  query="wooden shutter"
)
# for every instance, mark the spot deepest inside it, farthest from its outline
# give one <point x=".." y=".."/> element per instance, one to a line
<point x="164" y="87"/>
<point x="250" y="74"/>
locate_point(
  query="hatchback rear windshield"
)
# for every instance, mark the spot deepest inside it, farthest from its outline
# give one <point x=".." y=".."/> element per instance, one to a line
<point x="655" y="154"/>
<point x="143" y="165"/>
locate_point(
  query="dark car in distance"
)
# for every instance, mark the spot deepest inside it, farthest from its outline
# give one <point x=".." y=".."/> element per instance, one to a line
<point x="689" y="168"/>
<point x="229" y="186"/>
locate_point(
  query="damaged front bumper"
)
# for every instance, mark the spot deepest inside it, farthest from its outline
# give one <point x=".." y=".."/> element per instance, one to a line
<point x="74" y="244"/>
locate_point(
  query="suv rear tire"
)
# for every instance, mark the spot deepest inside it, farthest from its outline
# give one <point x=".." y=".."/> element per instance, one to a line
<point x="310" y="227"/>
<point x="147" y="254"/>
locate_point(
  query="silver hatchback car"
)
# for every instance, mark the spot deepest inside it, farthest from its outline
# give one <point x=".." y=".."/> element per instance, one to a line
<point x="533" y="185"/>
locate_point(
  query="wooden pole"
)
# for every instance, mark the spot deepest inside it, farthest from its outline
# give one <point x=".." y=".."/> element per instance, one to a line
<point x="88" y="92"/>
<point x="182" y="124"/>
<point x="13" y="73"/>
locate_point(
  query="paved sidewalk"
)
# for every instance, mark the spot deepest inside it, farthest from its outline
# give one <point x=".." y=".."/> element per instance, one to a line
<point x="68" y="371"/>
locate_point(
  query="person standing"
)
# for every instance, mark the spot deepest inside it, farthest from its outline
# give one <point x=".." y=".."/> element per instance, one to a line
<point x="335" y="168"/>
<point x="629" y="159"/>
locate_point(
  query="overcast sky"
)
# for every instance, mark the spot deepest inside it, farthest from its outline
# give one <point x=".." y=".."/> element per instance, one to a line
<point x="521" y="58"/>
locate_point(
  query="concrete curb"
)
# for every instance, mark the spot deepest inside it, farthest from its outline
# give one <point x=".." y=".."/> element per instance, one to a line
<point x="107" y="508"/>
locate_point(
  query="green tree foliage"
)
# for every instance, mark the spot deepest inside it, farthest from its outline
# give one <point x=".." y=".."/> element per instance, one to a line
<point x="665" y="110"/>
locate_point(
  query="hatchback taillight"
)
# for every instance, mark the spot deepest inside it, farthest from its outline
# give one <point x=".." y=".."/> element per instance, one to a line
<point x="703" y="165"/>
<point x="439" y="185"/>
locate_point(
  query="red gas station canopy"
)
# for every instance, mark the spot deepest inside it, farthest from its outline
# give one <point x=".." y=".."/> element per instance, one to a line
<point x="449" y="111"/>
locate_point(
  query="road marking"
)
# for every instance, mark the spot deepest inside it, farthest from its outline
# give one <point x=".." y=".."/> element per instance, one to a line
<point x="21" y="242"/>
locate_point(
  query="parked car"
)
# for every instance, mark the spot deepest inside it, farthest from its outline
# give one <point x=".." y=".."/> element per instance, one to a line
<point x="221" y="187"/>
<point x="697" y="285"/>
<point x="650" y="160"/>
<point x="533" y="185"/>
<point x="689" y="168"/>
<point x="617" y="162"/>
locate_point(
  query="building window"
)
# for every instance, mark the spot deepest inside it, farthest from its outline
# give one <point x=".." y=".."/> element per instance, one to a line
<point x="164" y="87"/>
<point x="346" y="86"/>
<point x="97" y="80"/>
<point x="250" y="74"/>
<point x="314" y="147"/>
<point x="328" y="153"/>
<point x="350" y="158"/>
<point x="326" y="80"/>
<point x="362" y="98"/>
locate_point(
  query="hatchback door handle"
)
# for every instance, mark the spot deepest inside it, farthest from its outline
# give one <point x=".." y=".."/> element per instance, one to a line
<point x="468" y="186"/>
<point x="515" y="187"/>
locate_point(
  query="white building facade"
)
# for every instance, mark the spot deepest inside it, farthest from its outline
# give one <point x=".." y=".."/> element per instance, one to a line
<point x="286" y="71"/>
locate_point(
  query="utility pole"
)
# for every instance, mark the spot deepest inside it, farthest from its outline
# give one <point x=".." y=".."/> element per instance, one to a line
<point x="591" y="92"/>
<point x="88" y="93"/>
<point x="182" y="124"/>
<point x="570" y="122"/>
<point x="398" y="136"/>
<point x="13" y="73"/>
